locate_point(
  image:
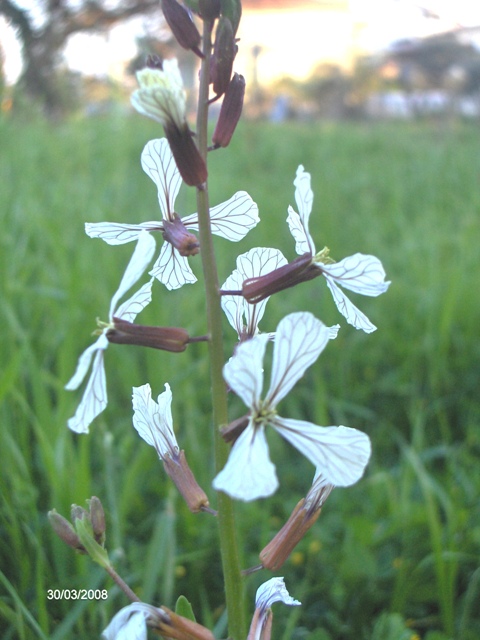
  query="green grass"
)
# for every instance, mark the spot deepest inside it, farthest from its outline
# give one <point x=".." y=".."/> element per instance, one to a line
<point x="393" y="556"/>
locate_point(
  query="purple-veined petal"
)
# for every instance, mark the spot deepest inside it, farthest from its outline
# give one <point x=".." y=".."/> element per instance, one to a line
<point x="249" y="473"/>
<point x="135" y="269"/>
<point x="84" y="361"/>
<point x="233" y="306"/>
<point x="129" y="309"/>
<point x="299" y="340"/>
<point x="298" y="222"/>
<point x="360" y="273"/>
<point x="159" y="165"/>
<point x="94" y="398"/>
<point x="244" y="371"/>
<point x="274" y="590"/>
<point x="114" y="233"/>
<point x="232" y="219"/>
<point x="333" y="331"/>
<point x="349" y="311"/>
<point x="254" y="263"/>
<point x="340" y="453"/>
<point x="153" y="421"/>
<point x="172" y="269"/>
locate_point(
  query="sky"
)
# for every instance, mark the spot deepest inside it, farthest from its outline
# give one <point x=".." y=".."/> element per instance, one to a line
<point x="385" y="21"/>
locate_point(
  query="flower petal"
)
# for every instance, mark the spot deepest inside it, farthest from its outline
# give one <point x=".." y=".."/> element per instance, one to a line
<point x="153" y="421"/>
<point x="249" y="473"/>
<point x="94" y="398"/>
<point x="130" y="622"/>
<point x="84" y="361"/>
<point x="244" y="371"/>
<point x="274" y="590"/>
<point x="159" y="165"/>
<point x="129" y="309"/>
<point x="172" y="269"/>
<point x="298" y="222"/>
<point x="233" y="306"/>
<point x="232" y="219"/>
<point x="299" y="340"/>
<point x="252" y="264"/>
<point x="136" y="267"/>
<point x="349" y="311"/>
<point x="114" y="233"/>
<point x="360" y="273"/>
<point x="339" y="453"/>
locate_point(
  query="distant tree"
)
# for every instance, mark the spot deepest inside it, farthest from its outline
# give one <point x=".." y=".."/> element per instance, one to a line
<point x="43" y="34"/>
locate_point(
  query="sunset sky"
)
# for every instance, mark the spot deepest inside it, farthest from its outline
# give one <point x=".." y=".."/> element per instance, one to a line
<point x="378" y="23"/>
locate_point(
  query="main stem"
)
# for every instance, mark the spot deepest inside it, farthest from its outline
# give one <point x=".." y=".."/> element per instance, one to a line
<point x="234" y="592"/>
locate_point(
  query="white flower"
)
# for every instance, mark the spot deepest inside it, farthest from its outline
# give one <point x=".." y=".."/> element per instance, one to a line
<point x="161" y="95"/>
<point x="153" y="421"/>
<point x="231" y="219"/>
<point x="360" y="273"/>
<point x="130" y="623"/>
<point x="242" y="316"/>
<point x="94" y="398"/>
<point x="268" y="593"/>
<point x="340" y="452"/>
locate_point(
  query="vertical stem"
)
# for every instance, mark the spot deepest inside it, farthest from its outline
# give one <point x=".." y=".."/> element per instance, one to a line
<point x="226" y="520"/>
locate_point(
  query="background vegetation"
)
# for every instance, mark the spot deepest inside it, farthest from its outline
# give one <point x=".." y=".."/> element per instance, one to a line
<point x="394" y="558"/>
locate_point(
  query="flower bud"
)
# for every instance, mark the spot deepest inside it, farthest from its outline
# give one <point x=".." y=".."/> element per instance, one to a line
<point x="182" y="628"/>
<point x="177" y="468"/>
<point x="97" y="517"/>
<point x="230" y="111"/>
<point x="209" y="9"/>
<point x="187" y="157"/>
<point x="224" y="52"/>
<point x="175" y="232"/>
<point x="182" y="26"/>
<point x="65" y="531"/>
<point x="173" y="339"/>
<point x="299" y="270"/>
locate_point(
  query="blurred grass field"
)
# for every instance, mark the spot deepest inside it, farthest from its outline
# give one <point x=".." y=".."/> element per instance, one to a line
<point x="396" y="557"/>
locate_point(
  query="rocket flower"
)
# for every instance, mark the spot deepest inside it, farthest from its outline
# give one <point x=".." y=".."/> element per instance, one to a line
<point x="230" y="220"/>
<point x="339" y="453"/>
<point x="94" y="398"/>
<point x="360" y="273"/>
<point x="274" y="590"/>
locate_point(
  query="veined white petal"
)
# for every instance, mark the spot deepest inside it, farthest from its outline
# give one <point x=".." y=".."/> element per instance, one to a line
<point x="84" y="361"/>
<point x="341" y="453"/>
<point x="114" y="233"/>
<point x="172" y="269"/>
<point x="136" y="267"/>
<point x="333" y="331"/>
<point x="244" y="371"/>
<point x="233" y="306"/>
<point x="360" y="273"/>
<point x="299" y="340"/>
<point x="153" y="421"/>
<point x="130" y="623"/>
<point x="94" y="398"/>
<point x="303" y="240"/>
<point x="249" y="473"/>
<point x="254" y="263"/>
<point x="232" y="219"/>
<point x="159" y="165"/>
<point x="129" y="309"/>
<point x="274" y="590"/>
<point x="349" y="311"/>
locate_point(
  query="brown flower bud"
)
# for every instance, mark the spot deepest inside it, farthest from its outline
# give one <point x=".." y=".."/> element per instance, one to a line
<point x="97" y="517"/>
<point x="230" y="111"/>
<point x="182" y="628"/>
<point x="177" y="468"/>
<point x="65" y="531"/>
<point x="173" y="339"/>
<point x="209" y="9"/>
<point x="182" y="25"/>
<point x="175" y="232"/>
<point x="224" y="52"/>
<point x="190" y="163"/>
<point x="299" y="270"/>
